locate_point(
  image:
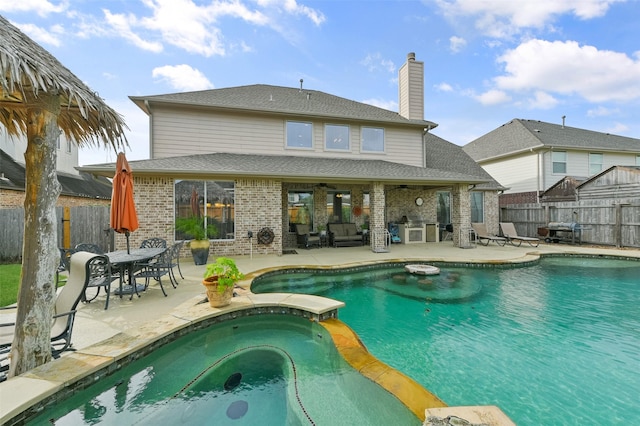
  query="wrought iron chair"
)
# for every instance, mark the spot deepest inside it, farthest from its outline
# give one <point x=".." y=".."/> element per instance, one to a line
<point x="100" y="276"/>
<point x="63" y="266"/>
<point x="91" y="248"/>
<point x="156" y="268"/>
<point x="175" y="260"/>
<point x="154" y="243"/>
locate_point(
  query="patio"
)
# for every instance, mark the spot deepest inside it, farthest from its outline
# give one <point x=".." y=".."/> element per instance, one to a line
<point x="128" y="324"/>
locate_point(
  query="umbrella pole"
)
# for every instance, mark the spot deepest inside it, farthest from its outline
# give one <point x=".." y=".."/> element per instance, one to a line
<point x="126" y="234"/>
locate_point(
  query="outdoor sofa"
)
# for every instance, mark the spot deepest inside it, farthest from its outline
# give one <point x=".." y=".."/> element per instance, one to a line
<point x="344" y="234"/>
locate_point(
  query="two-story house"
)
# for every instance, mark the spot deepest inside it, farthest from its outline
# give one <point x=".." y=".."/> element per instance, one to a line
<point x="529" y="157"/>
<point x="257" y="159"/>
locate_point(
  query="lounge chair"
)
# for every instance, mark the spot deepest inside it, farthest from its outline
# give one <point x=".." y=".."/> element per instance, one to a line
<point x="509" y="232"/>
<point x="64" y="311"/>
<point x="484" y="238"/>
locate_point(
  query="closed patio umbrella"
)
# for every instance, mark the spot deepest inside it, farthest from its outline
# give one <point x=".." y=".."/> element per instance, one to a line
<point x="123" y="210"/>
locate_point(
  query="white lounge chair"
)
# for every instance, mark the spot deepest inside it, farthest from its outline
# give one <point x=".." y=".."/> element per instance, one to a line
<point x="509" y="232"/>
<point x="484" y="238"/>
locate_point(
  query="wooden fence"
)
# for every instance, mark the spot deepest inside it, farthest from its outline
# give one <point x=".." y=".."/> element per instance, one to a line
<point x="82" y="224"/>
<point x="606" y="223"/>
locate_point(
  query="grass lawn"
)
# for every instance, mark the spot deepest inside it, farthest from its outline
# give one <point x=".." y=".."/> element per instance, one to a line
<point x="10" y="283"/>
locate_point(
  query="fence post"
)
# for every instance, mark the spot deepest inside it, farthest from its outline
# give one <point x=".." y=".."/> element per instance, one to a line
<point x="66" y="227"/>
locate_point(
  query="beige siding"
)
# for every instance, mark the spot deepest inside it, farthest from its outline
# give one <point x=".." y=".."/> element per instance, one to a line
<point x="186" y="132"/>
<point x="519" y="174"/>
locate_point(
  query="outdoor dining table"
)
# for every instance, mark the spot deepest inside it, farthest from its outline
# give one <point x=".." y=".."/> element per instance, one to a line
<point x="125" y="261"/>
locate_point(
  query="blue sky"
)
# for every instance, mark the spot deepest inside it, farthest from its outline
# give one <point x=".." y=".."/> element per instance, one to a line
<point x="486" y="61"/>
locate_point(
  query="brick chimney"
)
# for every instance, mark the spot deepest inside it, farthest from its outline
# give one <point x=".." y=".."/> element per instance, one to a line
<point x="411" y="88"/>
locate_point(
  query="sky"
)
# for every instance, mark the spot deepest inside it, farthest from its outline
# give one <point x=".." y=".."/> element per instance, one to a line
<point x="486" y="62"/>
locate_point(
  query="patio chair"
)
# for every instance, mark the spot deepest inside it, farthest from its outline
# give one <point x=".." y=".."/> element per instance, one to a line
<point x="63" y="266"/>
<point x="91" y="248"/>
<point x="304" y="237"/>
<point x="484" y="238"/>
<point x="175" y="259"/>
<point x="100" y="276"/>
<point x="447" y="234"/>
<point x="155" y="268"/>
<point x="64" y="310"/>
<point x="509" y="231"/>
<point x="154" y="242"/>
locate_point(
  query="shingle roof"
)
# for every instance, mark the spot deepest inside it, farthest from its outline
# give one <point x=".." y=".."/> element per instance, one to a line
<point x="309" y="169"/>
<point x="84" y="185"/>
<point x="520" y="135"/>
<point x="442" y="154"/>
<point x="282" y="100"/>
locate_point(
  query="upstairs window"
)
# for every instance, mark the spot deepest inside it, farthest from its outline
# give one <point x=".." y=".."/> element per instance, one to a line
<point x="299" y="134"/>
<point x="559" y="160"/>
<point x="637" y="160"/>
<point x="595" y="163"/>
<point x="336" y="137"/>
<point x="372" y="139"/>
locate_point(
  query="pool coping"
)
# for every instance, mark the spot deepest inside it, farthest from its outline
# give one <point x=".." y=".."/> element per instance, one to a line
<point x="33" y="391"/>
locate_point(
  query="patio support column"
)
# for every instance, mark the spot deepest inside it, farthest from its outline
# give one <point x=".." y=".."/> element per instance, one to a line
<point x="461" y="215"/>
<point x="376" y="218"/>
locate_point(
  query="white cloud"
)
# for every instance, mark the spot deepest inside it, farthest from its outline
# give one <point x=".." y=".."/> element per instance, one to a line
<point x="492" y="97"/>
<point x="542" y="100"/>
<point x="381" y="103"/>
<point x="121" y="24"/>
<point x="567" y="68"/>
<point x="618" y="128"/>
<point x="457" y="43"/>
<point x="602" y="112"/>
<point x="41" y="35"/>
<point x="41" y="7"/>
<point x="375" y="62"/>
<point x="182" y="77"/>
<point x="443" y="87"/>
<point x="502" y="19"/>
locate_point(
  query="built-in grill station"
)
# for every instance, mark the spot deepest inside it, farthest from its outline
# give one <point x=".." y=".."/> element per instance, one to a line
<point x="413" y="230"/>
<point x="557" y="232"/>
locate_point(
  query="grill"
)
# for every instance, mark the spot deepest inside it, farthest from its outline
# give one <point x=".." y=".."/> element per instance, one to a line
<point x="412" y="230"/>
<point x="557" y="232"/>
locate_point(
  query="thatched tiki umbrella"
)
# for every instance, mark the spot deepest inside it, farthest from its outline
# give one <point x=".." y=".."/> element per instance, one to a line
<point x="40" y="98"/>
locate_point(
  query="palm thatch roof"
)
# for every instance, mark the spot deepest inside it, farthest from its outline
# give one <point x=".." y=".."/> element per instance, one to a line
<point x="27" y="70"/>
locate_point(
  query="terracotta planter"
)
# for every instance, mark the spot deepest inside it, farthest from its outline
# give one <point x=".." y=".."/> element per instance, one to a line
<point x="217" y="299"/>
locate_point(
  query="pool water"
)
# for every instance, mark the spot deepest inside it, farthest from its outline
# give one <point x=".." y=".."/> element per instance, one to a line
<point x="266" y="370"/>
<point x="553" y="343"/>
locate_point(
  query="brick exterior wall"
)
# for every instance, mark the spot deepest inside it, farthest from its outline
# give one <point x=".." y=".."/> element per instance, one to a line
<point x="460" y="215"/>
<point x="257" y="205"/>
<point x="491" y="212"/>
<point x="10" y="199"/>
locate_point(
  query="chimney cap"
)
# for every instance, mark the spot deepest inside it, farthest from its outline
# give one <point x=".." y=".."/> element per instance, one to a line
<point x="411" y="56"/>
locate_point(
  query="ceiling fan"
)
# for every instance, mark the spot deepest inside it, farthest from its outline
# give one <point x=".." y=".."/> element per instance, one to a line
<point x="324" y="186"/>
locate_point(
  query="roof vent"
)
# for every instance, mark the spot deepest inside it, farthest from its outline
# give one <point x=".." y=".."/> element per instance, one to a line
<point x="536" y="130"/>
<point x="563" y="117"/>
<point x="301" y="81"/>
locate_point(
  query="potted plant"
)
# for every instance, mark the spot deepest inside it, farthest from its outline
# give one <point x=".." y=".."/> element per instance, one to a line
<point x="219" y="279"/>
<point x="193" y="226"/>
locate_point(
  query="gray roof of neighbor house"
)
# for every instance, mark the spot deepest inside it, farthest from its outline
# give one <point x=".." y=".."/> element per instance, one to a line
<point x="84" y="185"/>
<point x="294" y="102"/>
<point x="291" y="168"/>
<point x="523" y="135"/>
<point x="444" y="155"/>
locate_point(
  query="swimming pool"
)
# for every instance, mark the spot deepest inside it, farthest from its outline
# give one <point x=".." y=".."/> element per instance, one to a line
<point x="553" y="343"/>
<point x="264" y="369"/>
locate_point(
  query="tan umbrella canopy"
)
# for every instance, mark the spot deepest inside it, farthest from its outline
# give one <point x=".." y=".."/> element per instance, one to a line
<point x="30" y="70"/>
<point x="38" y="98"/>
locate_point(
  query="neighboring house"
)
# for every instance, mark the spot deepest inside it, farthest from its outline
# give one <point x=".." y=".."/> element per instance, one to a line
<point x="77" y="189"/>
<point x="255" y="160"/>
<point x="529" y="156"/>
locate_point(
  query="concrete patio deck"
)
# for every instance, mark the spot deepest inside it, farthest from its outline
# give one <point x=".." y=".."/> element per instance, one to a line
<point x="149" y="312"/>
